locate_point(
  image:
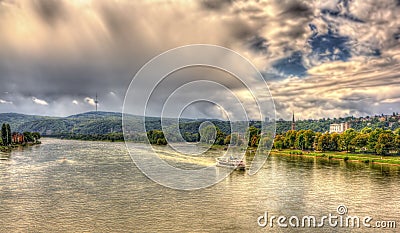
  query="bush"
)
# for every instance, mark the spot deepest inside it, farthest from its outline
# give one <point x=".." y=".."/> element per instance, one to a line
<point x="346" y="158"/>
<point x="330" y="156"/>
<point x="161" y="141"/>
<point x="366" y="161"/>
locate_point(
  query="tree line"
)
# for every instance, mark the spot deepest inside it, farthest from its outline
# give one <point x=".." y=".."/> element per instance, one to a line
<point x="367" y="140"/>
<point x="212" y="134"/>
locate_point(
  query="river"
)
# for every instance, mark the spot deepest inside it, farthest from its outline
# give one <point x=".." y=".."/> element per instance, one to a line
<point x="77" y="186"/>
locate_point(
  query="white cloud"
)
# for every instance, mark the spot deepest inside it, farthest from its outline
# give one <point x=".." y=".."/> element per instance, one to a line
<point x="5" y="102"/>
<point x="39" y="101"/>
<point x="90" y="101"/>
<point x="338" y="89"/>
<point x="75" y="102"/>
<point x="391" y="100"/>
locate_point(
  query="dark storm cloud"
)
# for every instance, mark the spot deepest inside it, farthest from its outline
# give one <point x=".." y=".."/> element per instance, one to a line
<point x="216" y="4"/>
<point x="63" y="76"/>
<point x="63" y="52"/>
<point x="97" y="50"/>
<point x="297" y="9"/>
<point x="259" y="44"/>
<point x="242" y="30"/>
<point x="117" y="19"/>
<point x="50" y="11"/>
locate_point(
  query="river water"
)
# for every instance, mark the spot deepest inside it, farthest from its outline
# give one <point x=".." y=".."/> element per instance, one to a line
<point x="76" y="186"/>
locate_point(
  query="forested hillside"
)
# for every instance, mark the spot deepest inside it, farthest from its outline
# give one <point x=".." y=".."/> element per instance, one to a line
<point x="101" y="123"/>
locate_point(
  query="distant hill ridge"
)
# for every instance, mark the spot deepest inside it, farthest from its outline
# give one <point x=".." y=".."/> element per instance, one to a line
<point x="83" y="123"/>
<point x="111" y="122"/>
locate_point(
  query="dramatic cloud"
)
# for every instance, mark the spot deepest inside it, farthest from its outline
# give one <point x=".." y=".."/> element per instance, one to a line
<point x="321" y="58"/>
<point x="5" y="102"/>
<point x="90" y="101"/>
<point x="39" y="101"/>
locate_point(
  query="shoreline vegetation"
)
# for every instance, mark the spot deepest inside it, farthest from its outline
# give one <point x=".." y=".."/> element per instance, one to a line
<point x="11" y="140"/>
<point x="343" y="156"/>
<point x="8" y="149"/>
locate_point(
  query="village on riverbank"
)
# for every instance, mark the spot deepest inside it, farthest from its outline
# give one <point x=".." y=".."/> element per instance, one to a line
<point x="10" y="140"/>
<point x="367" y="145"/>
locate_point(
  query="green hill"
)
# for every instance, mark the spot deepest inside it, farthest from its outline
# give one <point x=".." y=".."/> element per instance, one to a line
<point x="101" y="123"/>
<point x="16" y="119"/>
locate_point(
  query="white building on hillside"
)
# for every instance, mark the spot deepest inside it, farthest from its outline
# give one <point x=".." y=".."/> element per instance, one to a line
<point x="339" y="128"/>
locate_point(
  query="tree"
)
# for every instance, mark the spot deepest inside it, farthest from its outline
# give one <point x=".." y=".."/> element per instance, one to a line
<point x="397" y="131"/>
<point x="266" y="141"/>
<point x="9" y="138"/>
<point x="28" y="137"/>
<point x="208" y="134"/>
<point x="361" y="140"/>
<point x="309" y="139"/>
<point x="220" y="137"/>
<point x="187" y="136"/>
<point x="253" y="136"/>
<point x="346" y="139"/>
<point x="36" y="136"/>
<point x="334" y="142"/>
<point x="279" y="142"/>
<point x="373" y="139"/>
<point x="316" y="139"/>
<point x="290" y="138"/>
<point x="366" y="130"/>
<point x="300" y="142"/>
<point x="156" y="137"/>
<point x="397" y="143"/>
<point x="385" y="142"/>
<point x="254" y="141"/>
<point x="227" y="140"/>
<point x="6" y="134"/>
<point x="235" y="140"/>
<point x="324" y="142"/>
<point x="161" y="141"/>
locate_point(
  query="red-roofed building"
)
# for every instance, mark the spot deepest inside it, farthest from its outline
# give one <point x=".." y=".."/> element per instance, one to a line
<point x="18" y="138"/>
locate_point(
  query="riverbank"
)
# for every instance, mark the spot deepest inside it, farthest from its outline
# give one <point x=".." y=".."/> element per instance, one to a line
<point x="351" y="157"/>
<point x="5" y="148"/>
<point x="8" y="149"/>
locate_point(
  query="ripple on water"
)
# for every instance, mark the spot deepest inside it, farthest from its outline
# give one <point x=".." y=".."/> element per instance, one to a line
<point x="75" y="186"/>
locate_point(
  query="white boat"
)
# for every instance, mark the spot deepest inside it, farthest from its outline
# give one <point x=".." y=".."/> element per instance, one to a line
<point x="231" y="162"/>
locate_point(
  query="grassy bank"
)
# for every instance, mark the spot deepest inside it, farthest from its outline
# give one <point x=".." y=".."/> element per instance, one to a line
<point x="8" y="149"/>
<point x="5" y="148"/>
<point x="365" y="158"/>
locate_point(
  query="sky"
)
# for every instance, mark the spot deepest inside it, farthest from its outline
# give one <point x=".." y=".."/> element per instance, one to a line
<point x="319" y="58"/>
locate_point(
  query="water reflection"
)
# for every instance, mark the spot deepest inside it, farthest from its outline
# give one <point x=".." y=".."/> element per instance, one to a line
<point x="93" y="186"/>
